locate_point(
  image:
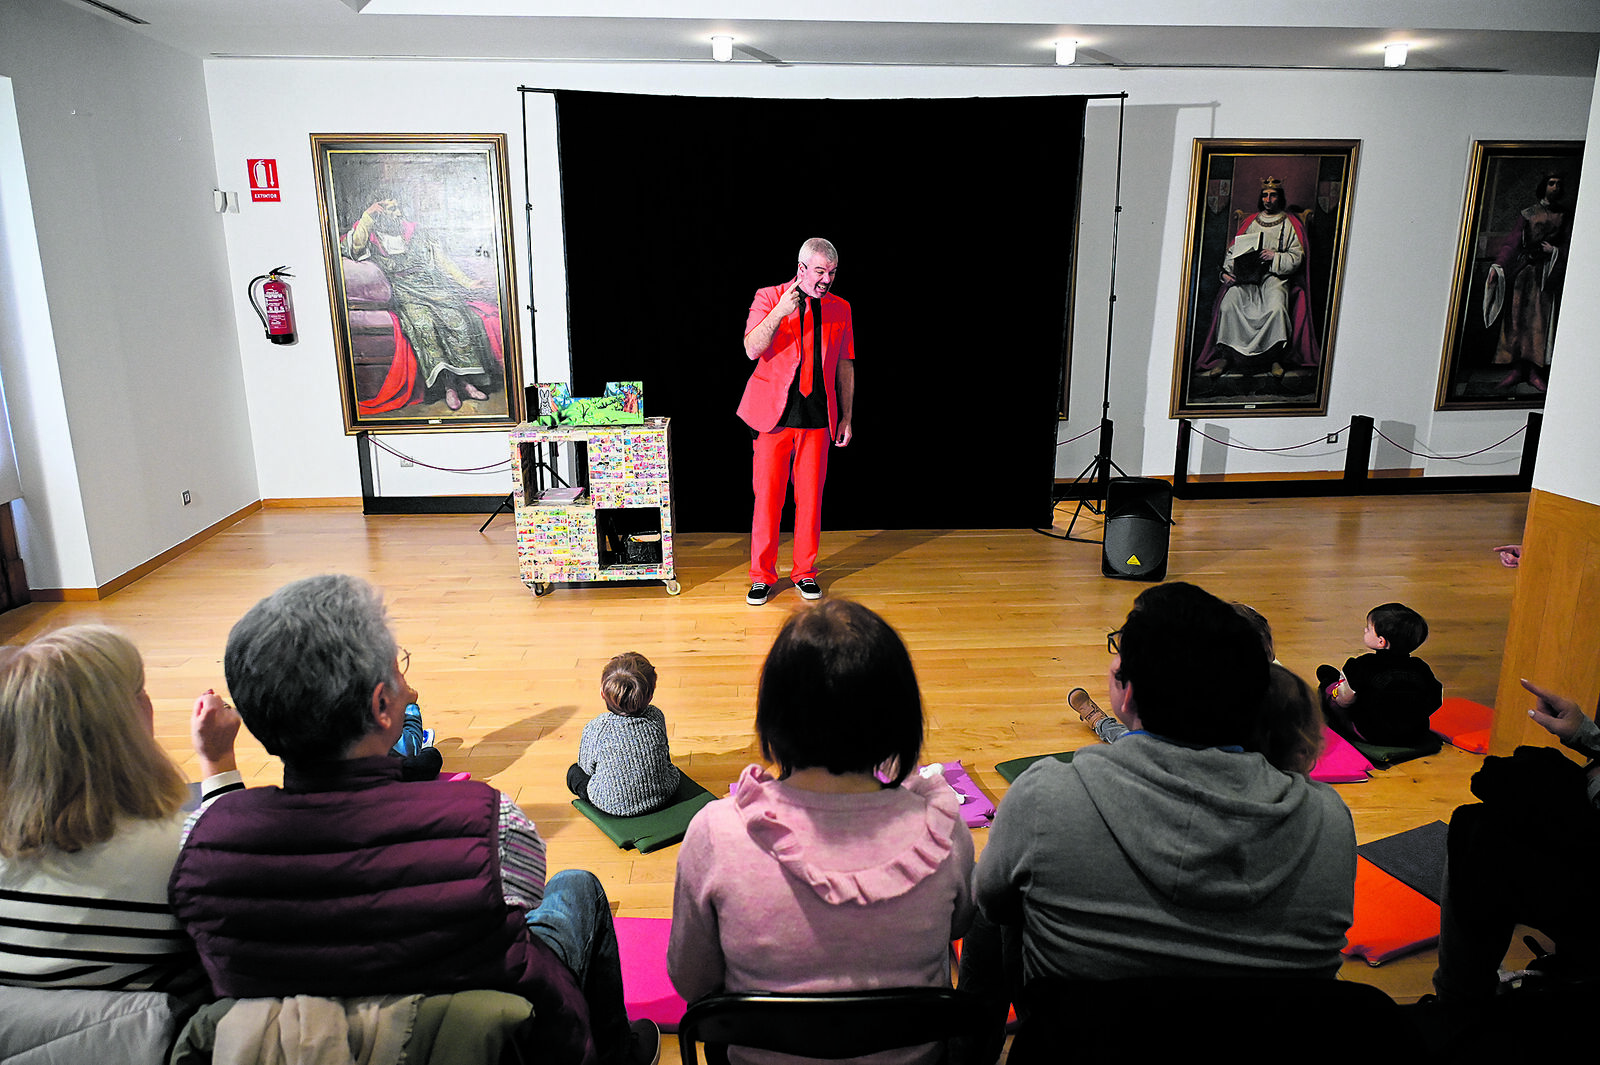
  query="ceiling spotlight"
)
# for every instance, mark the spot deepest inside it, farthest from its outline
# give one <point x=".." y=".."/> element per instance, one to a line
<point x="722" y="48"/>
<point x="1394" y="55"/>
<point x="1066" y="53"/>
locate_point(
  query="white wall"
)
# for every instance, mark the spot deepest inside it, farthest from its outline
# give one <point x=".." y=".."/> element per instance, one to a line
<point x="269" y="109"/>
<point x="117" y="143"/>
<point x="51" y="532"/>
<point x="1416" y="131"/>
<point x="1572" y="432"/>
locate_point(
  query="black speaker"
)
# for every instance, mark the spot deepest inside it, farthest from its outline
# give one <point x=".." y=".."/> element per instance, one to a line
<point x="1138" y="528"/>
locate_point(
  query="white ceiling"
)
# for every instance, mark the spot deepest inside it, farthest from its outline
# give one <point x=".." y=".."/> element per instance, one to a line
<point x="1552" y="37"/>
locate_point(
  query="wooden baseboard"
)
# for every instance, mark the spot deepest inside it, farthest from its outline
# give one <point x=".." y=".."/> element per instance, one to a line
<point x="64" y="595"/>
<point x="314" y="501"/>
<point x="1303" y="475"/>
<point x="116" y="584"/>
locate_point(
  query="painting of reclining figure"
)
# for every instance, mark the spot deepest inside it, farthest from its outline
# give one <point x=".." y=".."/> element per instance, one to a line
<point x="416" y="237"/>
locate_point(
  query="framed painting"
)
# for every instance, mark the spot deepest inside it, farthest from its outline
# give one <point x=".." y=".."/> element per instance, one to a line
<point x="416" y="237"/>
<point x="1516" y="226"/>
<point x="1263" y="262"/>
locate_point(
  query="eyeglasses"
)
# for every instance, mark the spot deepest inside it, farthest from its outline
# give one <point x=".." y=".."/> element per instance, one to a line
<point x="405" y="661"/>
<point x="1111" y="642"/>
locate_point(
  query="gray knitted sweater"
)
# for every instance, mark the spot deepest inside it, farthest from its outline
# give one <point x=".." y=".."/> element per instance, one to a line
<point x="628" y="761"/>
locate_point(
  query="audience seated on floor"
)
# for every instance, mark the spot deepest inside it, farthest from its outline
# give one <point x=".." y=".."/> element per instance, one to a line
<point x="350" y="880"/>
<point x="1178" y="850"/>
<point x="842" y="868"/>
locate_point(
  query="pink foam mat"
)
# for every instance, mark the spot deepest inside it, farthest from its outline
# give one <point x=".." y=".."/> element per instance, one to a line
<point x="647" y="991"/>
<point x="976" y="809"/>
<point x="1340" y="763"/>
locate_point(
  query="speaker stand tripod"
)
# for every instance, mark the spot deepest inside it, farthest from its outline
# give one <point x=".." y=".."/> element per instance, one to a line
<point x="1102" y="464"/>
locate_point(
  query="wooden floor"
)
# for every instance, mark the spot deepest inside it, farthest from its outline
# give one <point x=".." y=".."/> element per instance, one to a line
<point x="1000" y="625"/>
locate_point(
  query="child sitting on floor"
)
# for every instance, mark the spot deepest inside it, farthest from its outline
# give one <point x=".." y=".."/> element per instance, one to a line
<point x="1385" y="697"/>
<point x="624" y="766"/>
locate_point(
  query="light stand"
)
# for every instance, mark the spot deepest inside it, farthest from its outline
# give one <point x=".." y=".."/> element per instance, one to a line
<point x="508" y="504"/>
<point x="1102" y="464"/>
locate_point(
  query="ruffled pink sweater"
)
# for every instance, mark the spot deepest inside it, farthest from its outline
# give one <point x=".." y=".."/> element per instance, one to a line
<point x="781" y="889"/>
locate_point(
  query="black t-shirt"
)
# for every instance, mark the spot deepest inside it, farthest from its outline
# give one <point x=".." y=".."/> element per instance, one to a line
<point x="808" y="412"/>
<point x="1395" y="696"/>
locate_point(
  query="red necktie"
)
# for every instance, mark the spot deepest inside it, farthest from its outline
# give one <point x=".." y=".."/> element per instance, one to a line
<point x="805" y="351"/>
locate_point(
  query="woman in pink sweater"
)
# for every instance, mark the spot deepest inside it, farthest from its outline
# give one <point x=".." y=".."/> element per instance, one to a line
<point x="845" y="870"/>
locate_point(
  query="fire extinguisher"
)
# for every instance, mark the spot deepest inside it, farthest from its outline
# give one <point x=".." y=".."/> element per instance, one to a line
<point x="277" y="316"/>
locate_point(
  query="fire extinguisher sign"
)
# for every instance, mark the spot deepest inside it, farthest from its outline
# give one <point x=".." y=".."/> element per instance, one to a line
<point x="263" y="180"/>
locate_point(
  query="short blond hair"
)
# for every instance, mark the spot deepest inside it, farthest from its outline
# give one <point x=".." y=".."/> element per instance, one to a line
<point x="76" y="752"/>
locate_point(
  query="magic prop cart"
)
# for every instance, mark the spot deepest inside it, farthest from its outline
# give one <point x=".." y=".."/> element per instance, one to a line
<point x="614" y="523"/>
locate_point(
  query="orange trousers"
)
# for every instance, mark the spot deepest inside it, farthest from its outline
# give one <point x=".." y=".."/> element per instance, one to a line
<point x="776" y="454"/>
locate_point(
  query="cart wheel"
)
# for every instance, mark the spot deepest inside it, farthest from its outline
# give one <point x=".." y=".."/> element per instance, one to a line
<point x="673" y="587"/>
<point x="543" y="588"/>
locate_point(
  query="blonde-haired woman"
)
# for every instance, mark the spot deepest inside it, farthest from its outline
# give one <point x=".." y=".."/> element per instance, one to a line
<point x="91" y="815"/>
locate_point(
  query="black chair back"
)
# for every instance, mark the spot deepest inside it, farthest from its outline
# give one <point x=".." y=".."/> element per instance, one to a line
<point x="1283" y="1017"/>
<point x="831" y="1024"/>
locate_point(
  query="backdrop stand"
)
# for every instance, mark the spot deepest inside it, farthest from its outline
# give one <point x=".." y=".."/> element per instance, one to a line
<point x="508" y="505"/>
<point x="1102" y="464"/>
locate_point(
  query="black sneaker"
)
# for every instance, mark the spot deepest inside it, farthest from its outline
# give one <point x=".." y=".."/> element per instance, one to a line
<point x="644" y="1043"/>
<point x="809" y="588"/>
<point x="759" y="594"/>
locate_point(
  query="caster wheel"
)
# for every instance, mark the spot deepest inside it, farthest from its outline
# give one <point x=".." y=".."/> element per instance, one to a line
<point x="543" y="588"/>
<point x="673" y="587"/>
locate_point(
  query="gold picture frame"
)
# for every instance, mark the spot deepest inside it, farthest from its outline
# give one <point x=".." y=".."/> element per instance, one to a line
<point x="1497" y="344"/>
<point x="416" y="236"/>
<point x="1286" y="314"/>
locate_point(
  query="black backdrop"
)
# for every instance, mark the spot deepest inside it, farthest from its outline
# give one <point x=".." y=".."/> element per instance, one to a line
<point x="954" y="223"/>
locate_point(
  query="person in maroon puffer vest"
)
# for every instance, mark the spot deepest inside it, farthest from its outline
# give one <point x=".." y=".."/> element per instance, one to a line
<point x="349" y="880"/>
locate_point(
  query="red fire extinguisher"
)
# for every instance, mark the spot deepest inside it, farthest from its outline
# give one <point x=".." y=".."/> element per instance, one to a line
<point x="277" y="316"/>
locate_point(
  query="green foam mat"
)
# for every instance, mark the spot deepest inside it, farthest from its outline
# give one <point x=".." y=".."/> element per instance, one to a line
<point x="652" y="831"/>
<point x="1013" y="769"/>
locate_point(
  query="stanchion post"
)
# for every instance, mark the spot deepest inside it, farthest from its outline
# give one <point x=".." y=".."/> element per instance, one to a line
<point x="1530" y="448"/>
<point x="364" y="459"/>
<point x="1180" y="467"/>
<point x="1358" y="455"/>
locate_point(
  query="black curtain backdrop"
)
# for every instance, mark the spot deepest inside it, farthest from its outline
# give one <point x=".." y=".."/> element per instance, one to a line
<point x="954" y="223"/>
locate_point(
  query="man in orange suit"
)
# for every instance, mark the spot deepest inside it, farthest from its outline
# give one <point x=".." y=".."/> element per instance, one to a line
<point x="798" y="400"/>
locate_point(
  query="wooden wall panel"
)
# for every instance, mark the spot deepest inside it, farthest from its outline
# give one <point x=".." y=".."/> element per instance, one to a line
<point x="1553" y="637"/>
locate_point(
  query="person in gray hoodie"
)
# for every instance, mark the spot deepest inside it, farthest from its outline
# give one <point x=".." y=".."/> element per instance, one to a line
<point x="1179" y="850"/>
